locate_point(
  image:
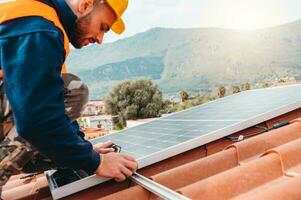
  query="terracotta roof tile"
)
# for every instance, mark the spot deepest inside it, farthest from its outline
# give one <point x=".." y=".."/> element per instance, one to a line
<point x="283" y="188"/>
<point x="133" y="193"/>
<point x="174" y="161"/>
<point x="217" y="146"/>
<point x="105" y="189"/>
<point x="253" y="147"/>
<point x="237" y="180"/>
<point x="289" y="154"/>
<point x="266" y="166"/>
<point x="198" y="170"/>
<point x="24" y="188"/>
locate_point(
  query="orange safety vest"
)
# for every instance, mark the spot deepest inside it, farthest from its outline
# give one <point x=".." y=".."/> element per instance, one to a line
<point x="25" y="8"/>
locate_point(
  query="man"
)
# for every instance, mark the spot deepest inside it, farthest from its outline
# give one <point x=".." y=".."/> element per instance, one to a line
<point x="34" y="42"/>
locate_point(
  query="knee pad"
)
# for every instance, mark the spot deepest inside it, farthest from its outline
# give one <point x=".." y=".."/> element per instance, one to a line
<point x="76" y="95"/>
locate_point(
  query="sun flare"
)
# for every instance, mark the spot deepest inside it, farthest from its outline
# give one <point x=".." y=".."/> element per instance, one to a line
<point x="246" y="15"/>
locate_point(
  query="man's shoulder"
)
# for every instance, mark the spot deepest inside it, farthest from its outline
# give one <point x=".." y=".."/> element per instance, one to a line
<point x="27" y="25"/>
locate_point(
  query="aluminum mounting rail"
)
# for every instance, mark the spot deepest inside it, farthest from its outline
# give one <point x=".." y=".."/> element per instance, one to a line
<point x="157" y="188"/>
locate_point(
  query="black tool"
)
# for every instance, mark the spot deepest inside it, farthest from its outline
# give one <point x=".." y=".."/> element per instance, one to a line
<point x="116" y="148"/>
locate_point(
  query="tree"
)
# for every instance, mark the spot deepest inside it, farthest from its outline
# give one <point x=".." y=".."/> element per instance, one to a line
<point x="246" y="86"/>
<point x="169" y="106"/>
<point x="119" y="121"/>
<point x="265" y="85"/>
<point x="235" y="89"/>
<point x="221" y="91"/>
<point x="281" y="80"/>
<point x="184" y="96"/>
<point x="135" y="99"/>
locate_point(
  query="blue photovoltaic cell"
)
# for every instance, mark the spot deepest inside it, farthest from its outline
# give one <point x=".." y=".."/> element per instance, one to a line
<point x="243" y="105"/>
<point x="149" y="138"/>
<point x="160" y="134"/>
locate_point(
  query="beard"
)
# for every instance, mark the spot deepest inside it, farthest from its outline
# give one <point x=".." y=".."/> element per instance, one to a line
<point x="80" y="30"/>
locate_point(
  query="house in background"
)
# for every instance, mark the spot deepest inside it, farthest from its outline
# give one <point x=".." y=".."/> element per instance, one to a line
<point x="94" y="107"/>
<point x="100" y="121"/>
<point x="91" y="133"/>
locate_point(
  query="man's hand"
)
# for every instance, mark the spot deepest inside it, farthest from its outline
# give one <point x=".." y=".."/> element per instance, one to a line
<point x="104" y="148"/>
<point x="117" y="166"/>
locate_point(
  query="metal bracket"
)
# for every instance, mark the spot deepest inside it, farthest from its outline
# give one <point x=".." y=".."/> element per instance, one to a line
<point x="157" y="188"/>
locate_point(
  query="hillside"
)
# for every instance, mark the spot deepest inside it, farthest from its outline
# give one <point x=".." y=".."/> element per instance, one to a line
<point x="192" y="59"/>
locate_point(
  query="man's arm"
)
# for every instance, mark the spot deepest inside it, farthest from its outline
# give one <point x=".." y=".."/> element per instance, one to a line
<point x="31" y="65"/>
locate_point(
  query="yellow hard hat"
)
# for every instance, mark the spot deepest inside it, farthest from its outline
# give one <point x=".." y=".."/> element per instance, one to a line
<point x="119" y="6"/>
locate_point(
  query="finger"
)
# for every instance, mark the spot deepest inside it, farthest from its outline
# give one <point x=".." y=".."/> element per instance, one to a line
<point x="131" y="165"/>
<point x="107" y="144"/>
<point x="97" y="145"/>
<point x="104" y="145"/>
<point x="104" y="151"/>
<point x="128" y="157"/>
<point x="120" y="177"/>
<point x="125" y="171"/>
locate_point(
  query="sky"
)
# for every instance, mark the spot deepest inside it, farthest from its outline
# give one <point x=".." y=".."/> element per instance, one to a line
<point x="142" y="15"/>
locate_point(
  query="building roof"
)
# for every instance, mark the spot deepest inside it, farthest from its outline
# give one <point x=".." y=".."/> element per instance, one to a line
<point x="264" y="166"/>
<point x="90" y="130"/>
<point x="30" y="188"/>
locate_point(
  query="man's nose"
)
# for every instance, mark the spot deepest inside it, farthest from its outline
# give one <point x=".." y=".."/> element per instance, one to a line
<point x="99" y="37"/>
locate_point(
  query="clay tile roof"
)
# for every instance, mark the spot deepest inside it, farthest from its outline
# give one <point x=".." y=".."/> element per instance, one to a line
<point x="92" y="130"/>
<point x="265" y="166"/>
<point x="31" y="188"/>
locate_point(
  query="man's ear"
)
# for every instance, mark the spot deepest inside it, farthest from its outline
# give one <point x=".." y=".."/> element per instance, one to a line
<point x="85" y="7"/>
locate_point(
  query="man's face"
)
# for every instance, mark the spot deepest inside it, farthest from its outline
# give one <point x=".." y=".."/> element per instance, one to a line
<point x="92" y="27"/>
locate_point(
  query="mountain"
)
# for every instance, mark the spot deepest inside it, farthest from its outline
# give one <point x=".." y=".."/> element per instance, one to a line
<point x="197" y="59"/>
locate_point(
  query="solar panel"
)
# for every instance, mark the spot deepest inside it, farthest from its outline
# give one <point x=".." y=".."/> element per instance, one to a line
<point x="168" y="136"/>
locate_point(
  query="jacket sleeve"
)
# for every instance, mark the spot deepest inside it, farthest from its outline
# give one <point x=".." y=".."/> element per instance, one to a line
<point x="31" y="65"/>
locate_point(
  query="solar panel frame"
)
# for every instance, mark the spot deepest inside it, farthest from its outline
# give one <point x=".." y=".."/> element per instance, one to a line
<point x="181" y="147"/>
